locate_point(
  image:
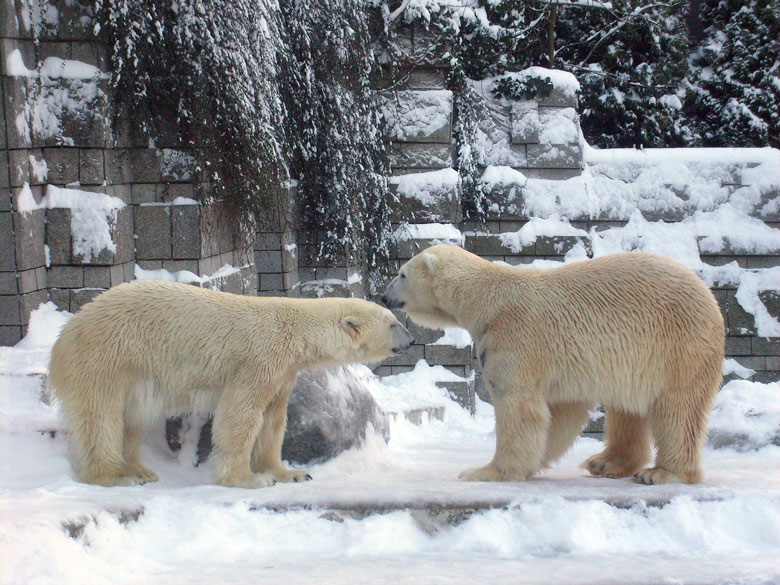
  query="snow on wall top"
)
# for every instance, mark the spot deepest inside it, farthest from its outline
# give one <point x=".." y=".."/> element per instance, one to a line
<point x="418" y="115"/>
<point x="52" y="67"/>
<point x="561" y="80"/>
<point x="426" y="187"/>
<point x="92" y="216"/>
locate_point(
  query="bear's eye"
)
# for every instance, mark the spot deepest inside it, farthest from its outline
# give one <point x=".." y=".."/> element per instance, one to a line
<point x="403" y="275"/>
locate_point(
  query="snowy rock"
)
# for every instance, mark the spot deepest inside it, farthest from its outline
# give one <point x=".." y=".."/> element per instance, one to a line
<point x="329" y="412"/>
<point x="746" y="416"/>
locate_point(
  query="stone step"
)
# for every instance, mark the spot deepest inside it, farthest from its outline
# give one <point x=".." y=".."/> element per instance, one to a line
<point x="416" y="416"/>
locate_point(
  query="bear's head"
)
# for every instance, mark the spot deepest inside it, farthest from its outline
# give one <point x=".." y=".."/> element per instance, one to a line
<point x="373" y="333"/>
<point x="417" y="290"/>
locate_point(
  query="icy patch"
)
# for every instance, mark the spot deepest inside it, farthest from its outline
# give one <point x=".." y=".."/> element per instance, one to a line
<point x="746" y="416"/>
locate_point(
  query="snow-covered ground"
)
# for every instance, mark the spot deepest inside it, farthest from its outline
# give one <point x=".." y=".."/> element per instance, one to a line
<point x="361" y="518"/>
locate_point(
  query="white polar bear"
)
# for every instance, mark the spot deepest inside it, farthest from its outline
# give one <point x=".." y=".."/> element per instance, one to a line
<point x="639" y="333"/>
<point x="149" y="348"/>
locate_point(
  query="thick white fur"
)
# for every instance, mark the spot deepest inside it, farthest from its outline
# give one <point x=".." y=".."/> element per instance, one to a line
<point x="639" y="333"/>
<point x="149" y="348"/>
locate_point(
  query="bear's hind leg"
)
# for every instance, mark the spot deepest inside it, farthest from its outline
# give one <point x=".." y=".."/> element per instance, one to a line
<point x="267" y="452"/>
<point x="566" y="422"/>
<point x="628" y="446"/>
<point x="98" y="429"/>
<point x="679" y="424"/>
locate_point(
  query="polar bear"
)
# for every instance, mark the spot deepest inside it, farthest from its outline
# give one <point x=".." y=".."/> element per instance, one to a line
<point x="151" y="347"/>
<point x="639" y="333"/>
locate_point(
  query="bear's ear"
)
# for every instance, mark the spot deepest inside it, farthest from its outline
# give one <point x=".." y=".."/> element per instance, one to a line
<point x="431" y="261"/>
<point x="350" y="325"/>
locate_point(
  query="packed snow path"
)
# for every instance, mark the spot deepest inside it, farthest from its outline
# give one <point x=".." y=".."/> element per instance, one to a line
<point x="390" y="513"/>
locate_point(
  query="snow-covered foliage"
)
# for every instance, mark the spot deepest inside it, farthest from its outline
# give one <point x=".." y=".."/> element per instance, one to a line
<point x="335" y="129"/>
<point x="736" y="73"/>
<point x="206" y="73"/>
<point x="264" y="91"/>
<point x="653" y="74"/>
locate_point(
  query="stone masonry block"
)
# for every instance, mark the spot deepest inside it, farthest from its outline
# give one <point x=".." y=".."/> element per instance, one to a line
<point x="525" y="122"/>
<point x="558" y="245"/>
<point x="66" y="276"/>
<point x="271" y="282"/>
<point x="63" y="165"/>
<point x="145" y="165"/>
<point x="410" y="358"/>
<point x="153" y="230"/>
<point x="562" y="156"/>
<point x="10" y="335"/>
<point x="29" y="302"/>
<point x="765" y="346"/>
<point x="7" y="243"/>
<point x="740" y="322"/>
<point x="767" y="376"/>
<point x="771" y="300"/>
<point x="447" y="355"/>
<point x="81" y="296"/>
<point x="29" y="229"/>
<point x="268" y="241"/>
<point x="268" y="261"/>
<point x="92" y="166"/>
<point x="28" y="280"/>
<point x="15" y="91"/>
<point x="143" y="193"/>
<point x="5" y="177"/>
<point x="185" y="221"/>
<point x="19" y="167"/>
<point x="97" y="277"/>
<point x="9" y="310"/>
<point x="423" y="335"/>
<point x="8" y="283"/>
<point x="413" y="155"/>
<point x="58" y="235"/>
<point x="737" y="345"/>
<point x="462" y="392"/>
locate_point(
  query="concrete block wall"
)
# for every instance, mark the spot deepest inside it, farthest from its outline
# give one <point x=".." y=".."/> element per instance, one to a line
<point x="59" y="130"/>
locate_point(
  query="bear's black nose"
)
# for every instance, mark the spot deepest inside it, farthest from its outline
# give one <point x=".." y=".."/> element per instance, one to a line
<point x="384" y="300"/>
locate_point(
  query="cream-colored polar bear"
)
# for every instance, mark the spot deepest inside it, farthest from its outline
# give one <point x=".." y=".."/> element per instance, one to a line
<point x="638" y="333"/>
<point x="158" y="347"/>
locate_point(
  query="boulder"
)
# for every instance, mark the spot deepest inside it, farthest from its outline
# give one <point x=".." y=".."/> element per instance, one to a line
<point x="329" y="412"/>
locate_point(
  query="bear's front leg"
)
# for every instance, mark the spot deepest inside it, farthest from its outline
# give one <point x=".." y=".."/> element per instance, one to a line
<point x="522" y="421"/>
<point x="237" y="421"/>
<point x="267" y="452"/>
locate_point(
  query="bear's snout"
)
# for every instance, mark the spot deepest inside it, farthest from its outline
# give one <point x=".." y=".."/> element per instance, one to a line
<point x="392" y="303"/>
<point x="402" y="339"/>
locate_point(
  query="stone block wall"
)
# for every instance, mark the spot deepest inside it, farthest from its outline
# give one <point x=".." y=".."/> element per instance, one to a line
<point x="63" y="152"/>
<point x="58" y="132"/>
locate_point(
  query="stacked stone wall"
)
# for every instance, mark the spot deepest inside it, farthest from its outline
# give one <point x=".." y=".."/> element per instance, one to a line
<point x="60" y="132"/>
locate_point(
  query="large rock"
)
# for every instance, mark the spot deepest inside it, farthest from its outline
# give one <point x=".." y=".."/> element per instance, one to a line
<point x="329" y="412"/>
